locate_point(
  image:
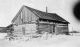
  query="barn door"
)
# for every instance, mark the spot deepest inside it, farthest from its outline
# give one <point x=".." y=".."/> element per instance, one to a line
<point x="23" y="30"/>
<point x="51" y="29"/>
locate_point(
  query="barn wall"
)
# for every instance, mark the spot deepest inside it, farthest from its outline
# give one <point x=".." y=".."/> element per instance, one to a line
<point x="61" y="29"/>
<point x="25" y="16"/>
<point x="28" y="16"/>
<point x="18" y="31"/>
<point x="30" y="28"/>
<point x="25" y="23"/>
<point x="23" y="30"/>
<point x="18" y="21"/>
<point x="45" y="27"/>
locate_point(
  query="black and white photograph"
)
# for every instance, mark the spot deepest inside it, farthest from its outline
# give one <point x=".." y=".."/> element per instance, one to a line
<point x="39" y="23"/>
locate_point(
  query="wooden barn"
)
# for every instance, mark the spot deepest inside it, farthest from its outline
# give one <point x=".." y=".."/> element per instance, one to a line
<point x="30" y="20"/>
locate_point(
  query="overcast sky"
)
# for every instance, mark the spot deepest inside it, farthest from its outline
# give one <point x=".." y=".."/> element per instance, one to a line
<point x="9" y="9"/>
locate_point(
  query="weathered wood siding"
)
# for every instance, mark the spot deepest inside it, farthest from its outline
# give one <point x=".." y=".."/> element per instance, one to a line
<point x="24" y="29"/>
<point x="18" y="31"/>
<point x="25" y="23"/>
<point x="61" y="29"/>
<point x="25" y="16"/>
<point x="18" y="21"/>
<point x="29" y="16"/>
<point x="30" y="28"/>
<point x="45" y="27"/>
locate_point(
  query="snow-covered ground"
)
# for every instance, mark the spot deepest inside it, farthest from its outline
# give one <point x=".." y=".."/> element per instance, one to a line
<point x="2" y="35"/>
<point x="54" y="41"/>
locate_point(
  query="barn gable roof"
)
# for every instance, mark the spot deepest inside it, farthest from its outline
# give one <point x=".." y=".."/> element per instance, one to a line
<point x="44" y="15"/>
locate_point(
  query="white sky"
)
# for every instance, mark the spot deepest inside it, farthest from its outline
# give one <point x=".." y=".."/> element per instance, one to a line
<point x="9" y="8"/>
